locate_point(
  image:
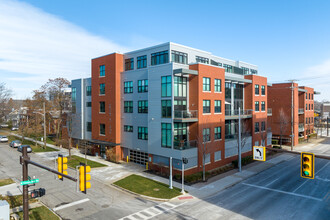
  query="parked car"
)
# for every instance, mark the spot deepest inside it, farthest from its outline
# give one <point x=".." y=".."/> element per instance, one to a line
<point x="15" y="143"/>
<point x="14" y="128"/>
<point x="20" y="148"/>
<point x="3" y="126"/>
<point x="3" y="139"/>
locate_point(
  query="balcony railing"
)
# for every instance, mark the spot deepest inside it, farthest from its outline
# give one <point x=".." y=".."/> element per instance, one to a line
<point x="229" y="137"/>
<point x="184" y="145"/>
<point x="269" y="112"/>
<point x="186" y="115"/>
<point x="301" y="111"/>
<point x="301" y="127"/>
<point x="230" y="112"/>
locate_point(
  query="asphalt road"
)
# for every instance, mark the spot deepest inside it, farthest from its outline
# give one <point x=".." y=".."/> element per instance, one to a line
<point x="101" y="202"/>
<point x="276" y="193"/>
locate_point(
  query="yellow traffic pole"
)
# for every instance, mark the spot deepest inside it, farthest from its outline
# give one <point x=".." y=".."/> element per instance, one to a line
<point x="146" y="165"/>
<point x="127" y="159"/>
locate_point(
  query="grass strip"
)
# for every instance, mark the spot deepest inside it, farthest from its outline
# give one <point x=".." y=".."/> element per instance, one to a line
<point x="40" y="213"/>
<point x="75" y="161"/>
<point x="4" y="182"/>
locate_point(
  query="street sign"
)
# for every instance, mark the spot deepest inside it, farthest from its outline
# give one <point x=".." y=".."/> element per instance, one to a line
<point x="29" y="182"/>
<point x="259" y="153"/>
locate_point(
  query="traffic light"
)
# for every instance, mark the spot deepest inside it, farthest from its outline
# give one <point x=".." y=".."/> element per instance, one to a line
<point x="62" y="165"/>
<point x="38" y="193"/>
<point x="307" y="165"/>
<point x="84" y="176"/>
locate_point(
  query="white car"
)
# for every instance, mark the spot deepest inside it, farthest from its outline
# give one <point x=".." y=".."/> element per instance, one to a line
<point x="3" y="139"/>
<point x="14" y="128"/>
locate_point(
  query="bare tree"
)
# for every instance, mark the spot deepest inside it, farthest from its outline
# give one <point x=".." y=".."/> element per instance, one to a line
<point x="245" y="133"/>
<point x="5" y="95"/>
<point x="283" y="124"/>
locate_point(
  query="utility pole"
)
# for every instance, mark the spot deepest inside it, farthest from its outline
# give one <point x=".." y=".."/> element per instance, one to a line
<point x="182" y="190"/>
<point x="327" y="125"/>
<point x="171" y="187"/>
<point x="44" y="126"/>
<point x="25" y="187"/>
<point x="239" y="141"/>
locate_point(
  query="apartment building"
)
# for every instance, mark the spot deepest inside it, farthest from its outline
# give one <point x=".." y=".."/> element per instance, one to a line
<point x="292" y="106"/>
<point x="170" y="100"/>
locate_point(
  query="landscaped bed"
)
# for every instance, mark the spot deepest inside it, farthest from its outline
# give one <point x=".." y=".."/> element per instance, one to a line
<point x="148" y="187"/>
<point x="40" y="213"/>
<point x="75" y="161"/>
<point x="4" y="182"/>
<point x="15" y="201"/>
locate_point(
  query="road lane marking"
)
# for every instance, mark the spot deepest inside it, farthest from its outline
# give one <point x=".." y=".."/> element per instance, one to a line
<point x="325" y="180"/>
<point x="284" y="192"/>
<point x="70" y="204"/>
<point x="307" y="180"/>
<point x="272" y="182"/>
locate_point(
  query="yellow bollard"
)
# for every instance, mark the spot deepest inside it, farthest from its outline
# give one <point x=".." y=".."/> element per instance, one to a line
<point x="77" y="146"/>
<point x="146" y="165"/>
<point x="127" y="159"/>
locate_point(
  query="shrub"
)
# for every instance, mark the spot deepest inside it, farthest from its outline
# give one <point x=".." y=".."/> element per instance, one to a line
<point x="275" y="141"/>
<point x="277" y="147"/>
<point x="245" y="160"/>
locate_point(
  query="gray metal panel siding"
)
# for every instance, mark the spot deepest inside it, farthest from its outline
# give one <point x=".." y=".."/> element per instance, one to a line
<point x="76" y="118"/>
<point x="232" y="150"/>
<point x="88" y="110"/>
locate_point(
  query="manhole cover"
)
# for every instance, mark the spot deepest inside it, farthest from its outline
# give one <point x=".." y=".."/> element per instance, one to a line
<point x="155" y="189"/>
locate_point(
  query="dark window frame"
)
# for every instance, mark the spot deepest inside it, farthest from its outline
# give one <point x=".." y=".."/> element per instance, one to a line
<point x="142" y="85"/>
<point x="206" y="108"/>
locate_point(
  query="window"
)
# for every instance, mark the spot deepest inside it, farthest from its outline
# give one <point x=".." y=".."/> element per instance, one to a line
<point x="143" y="85"/>
<point x="256" y="127"/>
<point x="179" y="57"/>
<point x="202" y="60"/>
<point x="306" y="105"/>
<point x="312" y="96"/>
<point x="206" y="135"/>
<point x="102" y="129"/>
<point x="143" y="106"/>
<point x="88" y="90"/>
<point x="309" y="106"/>
<point x="312" y="107"/>
<point x="166" y="108"/>
<point x="217" y="106"/>
<point x="102" y="107"/>
<point x="309" y="96"/>
<point x="166" y="86"/>
<point x="246" y="71"/>
<point x="217" y="155"/>
<point x="228" y="68"/>
<point x="217" y="133"/>
<point x="89" y="126"/>
<point x="256" y="89"/>
<point x="73" y="94"/>
<point x="206" y="84"/>
<point x="306" y="95"/>
<point x="142" y="62"/>
<point x="180" y="86"/>
<point x="102" y="70"/>
<point x="159" y="58"/>
<point x="263" y="126"/>
<point x="128" y="128"/>
<point x="128" y="87"/>
<point x="263" y="106"/>
<point x="143" y="133"/>
<point x="102" y="89"/>
<point x="256" y="106"/>
<point x="306" y="120"/>
<point x="263" y="90"/>
<point x="206" y="106"/>
<point x="88" y="104"/>
<point x="129" y="64"/>
<point x="227" y="90"/>
<point x="167" y="135"/>
<point x="253" y="71"/>
<point x="128" y="106"/>
<point x="215" y="63"/>
<point x="217" y="85"/>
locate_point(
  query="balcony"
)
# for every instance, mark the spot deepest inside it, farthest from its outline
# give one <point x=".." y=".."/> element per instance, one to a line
<point x="233" y="114"/>
<point x="184" y="145"/>
<point x="300" y="111"/>
<point x="185" y="116"/>
<point x="301" y="127"/>
<point x="269" y="112"/>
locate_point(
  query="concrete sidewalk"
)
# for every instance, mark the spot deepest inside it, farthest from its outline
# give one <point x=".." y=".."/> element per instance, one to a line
<point x="10" y="190"/>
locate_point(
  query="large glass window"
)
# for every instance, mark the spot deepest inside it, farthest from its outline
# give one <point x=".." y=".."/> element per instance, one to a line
<point x="217" y="133"/>
<point x="166" y="108"/>
<point x="179" y="57"/>
<point x="217" y="106"/>
<point x="206" y="106"/>
<point x="256" y="127"/>
<point x="129" y="64"/>
<point x="142" y="62"/>
<point x="263" y="90"/>
<point x="202" y="60"/>
<point x="217" y="85"/>
<point x="128" y="106"/>
<point x="128" y="87"/>
<point x="143" y="106"/>
<point x="215" y="63"/>
<point x="88" y="90"/>
<point x="128" y="128"/>
<point x="263" y="106"/>
<point x="206" y="135"/>
<point x="206" y="84"/>
<point x="180" y="133"/>
<point x="102" y="70"/>
<point x="89" y="126"/>
<point x="180" y="86"/>
<point x="159" y="58"/>
<point x="102" y="129"/>
<point x="263" y="126"/>
<point x="167" y="135"/>
<point x="102" y="107"/>
<point x="256" y="89"/>
<point x="102" y="89"/>
<point x="166" y="86"/>
<point x="228" y="68"/>
<point x="253" y="71"/>
<point x="73" y="94"/>
<point x="143" y="133"/>
<point x="246" y="71"/>
<point x="228" y="90"/>
<point x="143" y="85"/>
<point x="256" y="106"/>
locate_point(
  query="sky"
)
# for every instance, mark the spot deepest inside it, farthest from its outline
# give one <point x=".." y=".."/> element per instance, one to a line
<point x="41" y="39"/>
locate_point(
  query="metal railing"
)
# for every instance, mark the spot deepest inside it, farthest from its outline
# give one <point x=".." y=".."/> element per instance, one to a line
<point x="229" y="137"/>
<point x="301" y="111"/>
<point x="229" y="112"/>
<point x="185" y="114"/>
<point x="184" y="145"/>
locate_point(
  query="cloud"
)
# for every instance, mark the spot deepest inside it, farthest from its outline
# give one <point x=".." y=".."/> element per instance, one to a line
<point x="36" y="45"/>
